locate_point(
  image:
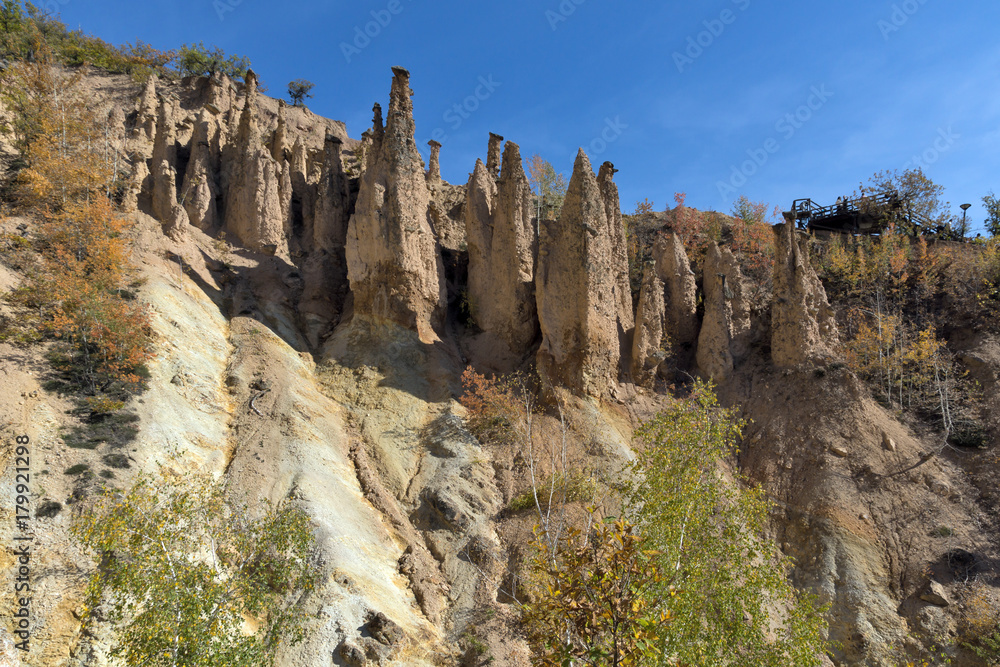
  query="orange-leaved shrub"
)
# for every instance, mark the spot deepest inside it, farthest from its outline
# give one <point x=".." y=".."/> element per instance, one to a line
<point x="496" y="409"/>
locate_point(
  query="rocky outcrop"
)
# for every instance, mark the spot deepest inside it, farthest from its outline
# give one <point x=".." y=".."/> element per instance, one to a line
<point x="146" y="112"/>
<point x="253" y="200"/>
<point x="434" y="171"/>
<point x="447" y="204"/>
<point x="303" y="193"/>
<point x="647" y="342"/>
<point x="680" y="292"/>
<point x="501" y="239"/>
<point x="325" y="285"/>
<point x="393" y="262"/>
<point x="619" y="252"/>
<point x="279" y="141"/>
<point x="725" y="328"/>
<point x="803" y="328"/>
<point x="165" y="207"/>
<point x="493" y="155"/>
<point x="575" y="291"/>
<point x="200" y="190"/>
<point x="332" y="199"/>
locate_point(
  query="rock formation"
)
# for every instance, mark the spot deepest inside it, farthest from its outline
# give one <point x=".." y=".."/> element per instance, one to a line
<point x="164" y="174"/>
<point x="393" y="261"/>
<point x="501" y="239"/>
<point x="332" y="197"/>
<point x="803" y="328"/>
<point x="726" y="324"/>
<point x="619" y="251"/>
<point x="680" y="292"/>
<point x="493" y="155"/>
<point x="447" y="205"/>
<point x="253" y="200"/>
<point x="647" y="342"/>
<point x="575" y="290"/>
<point x="279" y="141"/>
<point x="303" y="192"/>
<point x="146" y="111"/>
<point x="200" y="190"/>
<point x="434" y="171"/>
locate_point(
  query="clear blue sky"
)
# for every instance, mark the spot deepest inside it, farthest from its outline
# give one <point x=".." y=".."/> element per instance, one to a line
<point x="772" y="100"/>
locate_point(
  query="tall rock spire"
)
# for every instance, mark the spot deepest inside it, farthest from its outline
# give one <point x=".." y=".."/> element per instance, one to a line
<point x="803" y="328"/>
<point x="575" y="290"/>
<point x="619" y="253"/>
<point x="393" y="260"/>
<point x="434" y="171"/>
<point x="493" y="155"/>
<point x="199" y="191"/>
<point x="647" y="343"/>
<point x="725" y="329"/>
<point x="254" y="211"/>
<point x="165" y="208"/>
<point x="680" y="294"/>
<point x="501" y="238"/>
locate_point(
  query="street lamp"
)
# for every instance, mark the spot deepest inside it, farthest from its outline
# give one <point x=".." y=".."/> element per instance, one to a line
<point x="964" y="207"/>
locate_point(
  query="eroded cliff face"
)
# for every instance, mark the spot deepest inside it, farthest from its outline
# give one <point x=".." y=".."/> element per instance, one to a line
<point x="318" y="361"/>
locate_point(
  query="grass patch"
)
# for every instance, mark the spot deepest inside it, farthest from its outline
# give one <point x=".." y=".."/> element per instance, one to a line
<point x="116" y="429"/>
<point x="78" y="469"/>
<point x="571" y="488"/>
<point x="119" y="461"/>
<point x="47" y="509"/>
<point x="970" y="434"/>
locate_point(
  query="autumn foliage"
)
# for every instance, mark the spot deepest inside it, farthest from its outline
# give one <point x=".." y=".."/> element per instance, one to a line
<point x="495" y="406"/>
<point x="78" y="291"/>
<point x="595" y="601"/>
<point x="899" y="297"/>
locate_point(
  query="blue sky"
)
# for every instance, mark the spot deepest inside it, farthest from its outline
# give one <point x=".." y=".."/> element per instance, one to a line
<point x="716" y="99"/>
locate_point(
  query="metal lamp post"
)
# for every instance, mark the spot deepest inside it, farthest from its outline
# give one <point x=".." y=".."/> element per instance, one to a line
<point x="964" y="207"/>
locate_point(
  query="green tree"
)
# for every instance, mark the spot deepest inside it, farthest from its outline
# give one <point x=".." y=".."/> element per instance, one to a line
<point x="299" y="91"/>
<point x="921" y="198"/>
<point x="199" y="60"/>
<point x="181" y="570"/>
<point x="992" y="205"/>
<point x="736" y="605"/>
<point x="12" y="24"/>
<point x="593" y="602"/>
<point x="548" y="185"/>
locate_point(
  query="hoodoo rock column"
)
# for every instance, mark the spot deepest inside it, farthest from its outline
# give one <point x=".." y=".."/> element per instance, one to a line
<point x="575" y="289"/>
<point x="501" y="238"/>
<point x="393" y="261"/>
